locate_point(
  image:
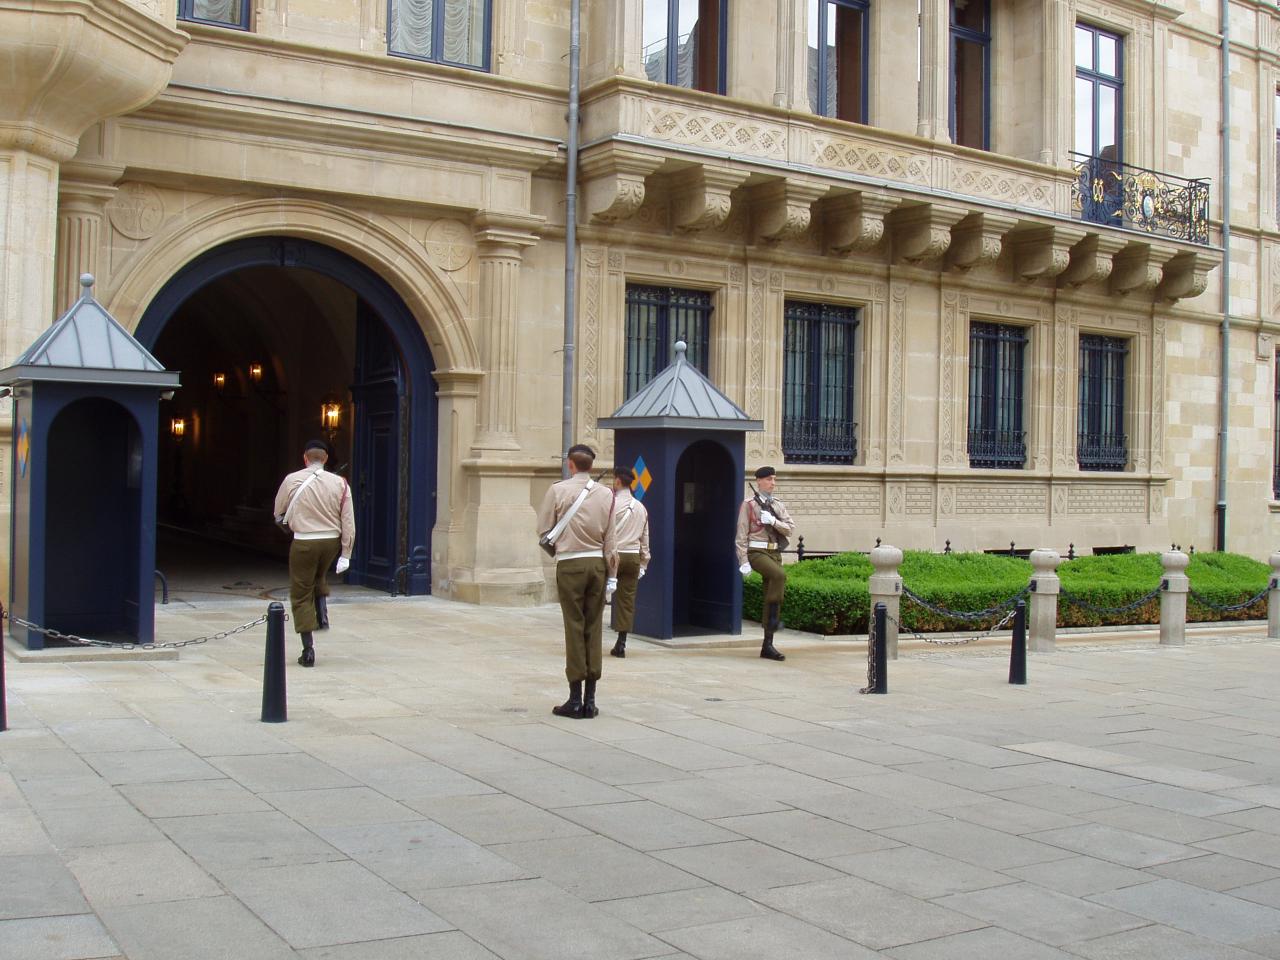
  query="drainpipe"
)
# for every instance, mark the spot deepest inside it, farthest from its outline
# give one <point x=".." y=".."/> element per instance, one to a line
<point x="571" y="237"/>
<point x="1224" y="409"/>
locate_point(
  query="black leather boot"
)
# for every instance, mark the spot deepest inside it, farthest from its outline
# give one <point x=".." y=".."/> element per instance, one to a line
<point x="308" y="658"/>
<point x="589" y="701"/>
<point x="322" y="611"/>
<point x="620" y="645"/>
<point x="767" y="650"/>
<point x="572" y="707"/>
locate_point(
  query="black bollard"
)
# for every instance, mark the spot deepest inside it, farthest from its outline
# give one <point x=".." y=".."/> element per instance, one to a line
<point x="4" y="718"/>
<point x="881" y="651"/>
<point x="1018" y="648"/>
<point x="273" y="696"/>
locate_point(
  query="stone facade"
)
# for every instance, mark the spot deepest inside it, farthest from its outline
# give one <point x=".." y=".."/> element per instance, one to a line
<point x="449" y="184"/>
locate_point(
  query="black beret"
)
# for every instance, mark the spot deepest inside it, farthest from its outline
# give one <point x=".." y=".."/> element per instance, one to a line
<point x="316" y="445"/>
<point x="763" y="472"/>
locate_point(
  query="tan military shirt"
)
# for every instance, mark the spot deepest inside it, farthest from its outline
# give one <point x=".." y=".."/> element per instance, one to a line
<point x="590" y="529"/>
<point x="322" y="509"/>
<point x="631" y="526"/>
<point x="752" y="533"/>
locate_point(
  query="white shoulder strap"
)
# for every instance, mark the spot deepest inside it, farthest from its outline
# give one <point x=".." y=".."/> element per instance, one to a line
<point x="297" y="493"/>
<point x="554" y="534"/>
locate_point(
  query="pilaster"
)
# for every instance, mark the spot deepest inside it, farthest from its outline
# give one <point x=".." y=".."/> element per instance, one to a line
<point x="935" y="40"/>
<point x="83" y="193"/>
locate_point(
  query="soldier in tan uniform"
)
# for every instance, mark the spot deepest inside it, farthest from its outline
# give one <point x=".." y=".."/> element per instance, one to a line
<point x="631" y="533"/>
<point x="764" y="525"/>
<point x="586" y="559"/>
<point x="316" y="507"/>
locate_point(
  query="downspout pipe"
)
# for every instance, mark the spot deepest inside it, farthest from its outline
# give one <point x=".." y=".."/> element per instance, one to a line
<point x="1224" y="408"/>
<point x="571" y="237"/>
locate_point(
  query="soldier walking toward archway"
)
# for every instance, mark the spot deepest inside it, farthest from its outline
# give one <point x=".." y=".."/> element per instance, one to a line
<point x="764" y="526"/>
<point x="316" y="507"/>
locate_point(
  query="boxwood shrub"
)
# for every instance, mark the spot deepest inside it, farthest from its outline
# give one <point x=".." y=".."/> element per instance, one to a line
<point x="830" y="595"/>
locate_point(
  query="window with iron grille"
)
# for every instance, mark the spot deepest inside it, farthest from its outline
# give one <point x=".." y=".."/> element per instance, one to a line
<point x="1101" y="443"/>
<point x="818" y="383"/>
<point x="684" y="43"/>
<point x="1275" y="475"/>
<point x="996" y="435"/>
<point x="839" y="54"/>
<point x="220" y="13"/>
<point x="656" y="318"/>
<point x="444" y="31"/>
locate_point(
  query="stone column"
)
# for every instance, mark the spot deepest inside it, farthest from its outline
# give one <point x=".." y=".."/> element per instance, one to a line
<point x="500" y="246"/>
<point x="886" y="587"/>
<point x="935" y="78"/>
<point x="612" y="39"/>
<point x="84" y="192"/>
<point x="1057" y="79"/>
<point x="1273" y="600"/>
<point x="1042" y="616"/>
<point x="1173" y="598"/>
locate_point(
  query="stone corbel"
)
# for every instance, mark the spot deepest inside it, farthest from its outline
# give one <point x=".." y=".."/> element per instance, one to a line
<point x="1091" y="260"/>
<point x="782" y="209"/>
<point x="1187" y="274"/>
<point x="700" y="197"/>
<point x="855" y="222"/>
<point x="1043" y="252"/>
<point x="923" y="232"/>
<point x="613" y="184"/>
<point x="976" y="241"/>
<point x="1139" y="268"/>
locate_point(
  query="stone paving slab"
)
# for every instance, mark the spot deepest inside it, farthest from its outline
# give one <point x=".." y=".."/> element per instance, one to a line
<point x="421" y="801"/>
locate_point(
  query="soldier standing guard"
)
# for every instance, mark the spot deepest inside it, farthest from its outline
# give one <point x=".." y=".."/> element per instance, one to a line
<point x="631" y="533"/>
<point x="577" y="517"/>
<point x="316" y="507"/>
<point x="764" y="525"/>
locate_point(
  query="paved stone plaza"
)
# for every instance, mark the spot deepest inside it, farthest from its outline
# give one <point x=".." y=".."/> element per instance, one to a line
<point x="422" y="802"/>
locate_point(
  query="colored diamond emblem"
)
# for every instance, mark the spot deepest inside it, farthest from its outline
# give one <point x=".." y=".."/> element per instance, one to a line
<point x="643" y="479"/>
<point x="23" y="447"/>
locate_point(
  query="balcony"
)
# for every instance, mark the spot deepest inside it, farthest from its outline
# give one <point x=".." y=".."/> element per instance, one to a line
<point x="821" y="440"/>
<point x="998" y="449"/>
<point x="693" y="164"/>
<point x="1118" y="195"/>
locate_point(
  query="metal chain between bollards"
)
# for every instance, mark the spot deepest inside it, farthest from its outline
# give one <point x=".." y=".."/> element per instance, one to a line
<point x="53" y="634"/>
<point x="1230" y="607"/>
<point x="966" y="615"/>
<point x="871" y="655"/>
<point x="1109" y="611"/>
<point x="960" y="641"/>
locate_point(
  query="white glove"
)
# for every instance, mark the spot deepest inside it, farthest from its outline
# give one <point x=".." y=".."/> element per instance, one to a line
<point x="343" y="564"/>
<point x="610" y="587"/>
<point x="640" y="575"/>
<point x="745" y="569"/>
<point x="766" y="518"/>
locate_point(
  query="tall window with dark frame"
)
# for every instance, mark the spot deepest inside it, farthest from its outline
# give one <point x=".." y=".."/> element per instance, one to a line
<point x="996" y="434"/>
<point x="220" y="13"/>
<point x="656" y="318"/>
<point x="818" y="383"/>
<point x="684" y="43"/>
<point x="971" y="73"/>
<point x="1099" y="106"/>
<point x="839" y="57"/>
<point x="455" y="32"/>
<point x="1275" y="470"/>
<point x="1101" y="443"/>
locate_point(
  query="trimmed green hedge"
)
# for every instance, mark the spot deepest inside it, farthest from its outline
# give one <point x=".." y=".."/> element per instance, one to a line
<point x="831" y="596"/>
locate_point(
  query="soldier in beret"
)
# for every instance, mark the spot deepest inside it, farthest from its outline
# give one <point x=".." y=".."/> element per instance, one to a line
<point x="764" y="527"/>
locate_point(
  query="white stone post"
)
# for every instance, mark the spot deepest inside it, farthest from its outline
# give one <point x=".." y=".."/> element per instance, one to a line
<point x="1273" y="600"/>
<point x="886" y="587"/>
<point x="1173" y="598"/>
<point x="1042" y="616"/>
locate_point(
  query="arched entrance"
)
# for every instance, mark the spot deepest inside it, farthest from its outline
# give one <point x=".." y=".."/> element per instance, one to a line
<point x="96" y="517"/>
<point x="706" y="502"/>
<point x="268" y="332"/>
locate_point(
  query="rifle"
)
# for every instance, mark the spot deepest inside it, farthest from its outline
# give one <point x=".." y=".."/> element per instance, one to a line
<point x="764" y="503"/>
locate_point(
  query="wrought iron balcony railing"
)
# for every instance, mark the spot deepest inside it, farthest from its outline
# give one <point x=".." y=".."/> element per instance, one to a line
<point x="1102" y="451"/>
<point x="1119" y="195"/>
<point x="1001" y="449"/>
<point x="819" y="441"/>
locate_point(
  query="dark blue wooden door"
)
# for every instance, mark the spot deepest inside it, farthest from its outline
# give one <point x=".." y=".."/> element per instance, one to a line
<point x="375" y="478"/>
